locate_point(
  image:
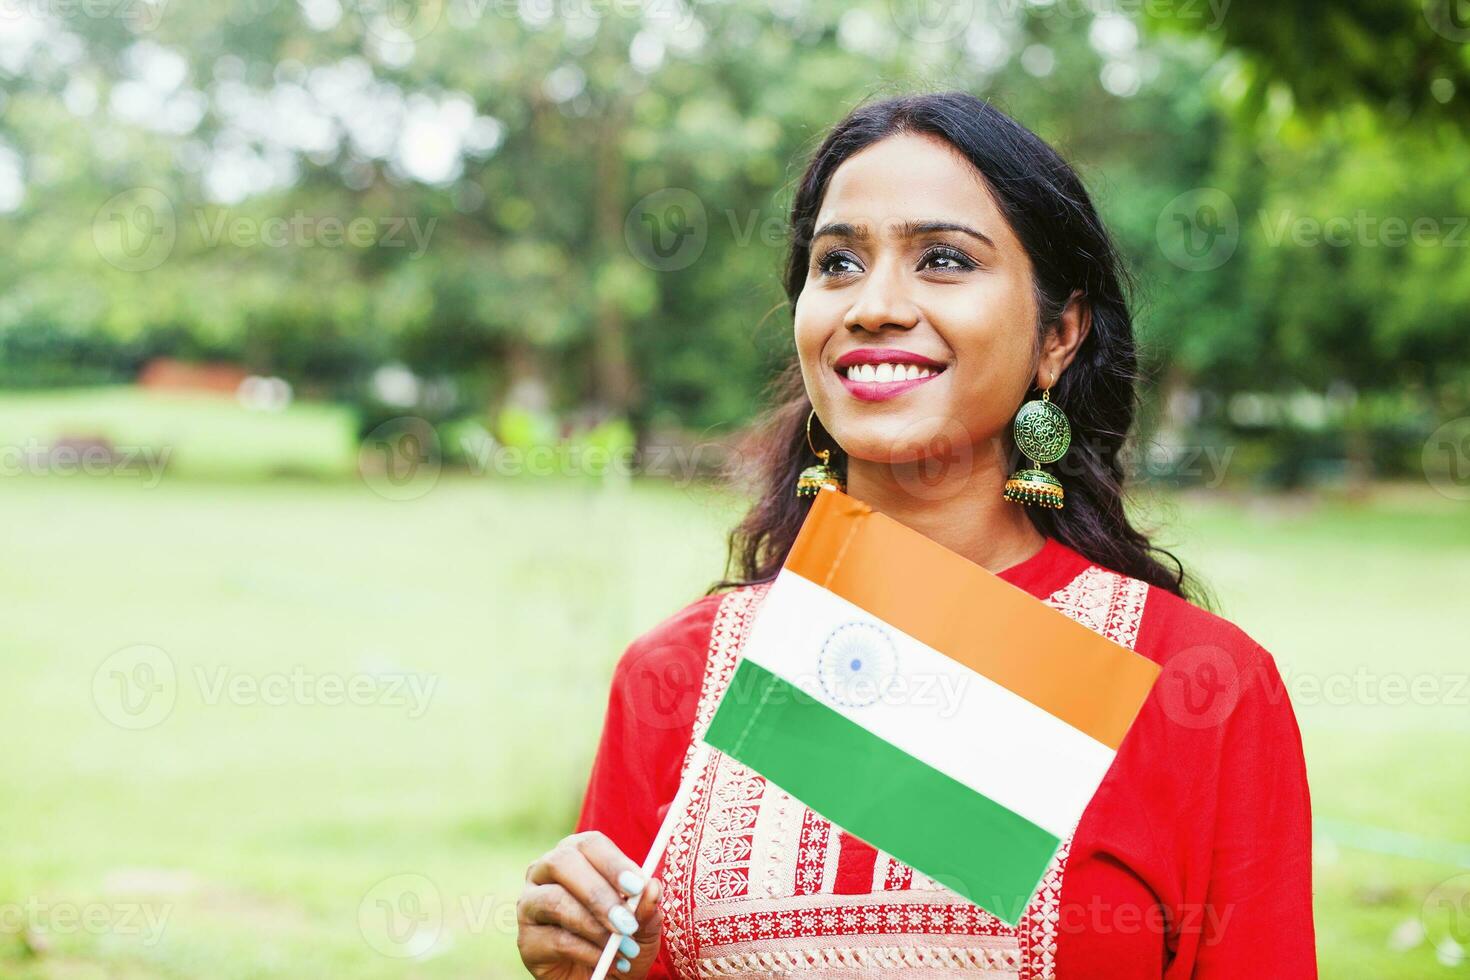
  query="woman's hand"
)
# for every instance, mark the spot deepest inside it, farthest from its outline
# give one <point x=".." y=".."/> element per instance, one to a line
<point x="573" y="900"/>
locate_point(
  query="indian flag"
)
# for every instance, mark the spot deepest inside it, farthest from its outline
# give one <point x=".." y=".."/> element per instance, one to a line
<point x="926" y="706"/>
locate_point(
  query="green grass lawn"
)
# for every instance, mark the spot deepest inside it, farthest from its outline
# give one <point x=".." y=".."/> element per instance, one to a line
<point x="239" y="837"/>
<point x="193" y="435"/>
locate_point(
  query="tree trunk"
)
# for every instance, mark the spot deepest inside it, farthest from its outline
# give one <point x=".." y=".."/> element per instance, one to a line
<point x="615" y="384"/>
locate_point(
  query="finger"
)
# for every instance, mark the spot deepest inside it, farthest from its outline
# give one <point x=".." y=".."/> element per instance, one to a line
<point x="540" y="945"/>
<point x="553" y="905"/>
<point x="650" y="922"/>
<point x="567" y="866"/>
<point x="648" y="912"/>
<point x="615" y="866"/>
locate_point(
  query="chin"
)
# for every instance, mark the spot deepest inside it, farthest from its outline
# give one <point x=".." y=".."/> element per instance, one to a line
<point x="897" y="440"/>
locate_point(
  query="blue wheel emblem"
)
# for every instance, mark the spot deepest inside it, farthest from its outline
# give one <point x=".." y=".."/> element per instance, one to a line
<point x="856" y="663"/>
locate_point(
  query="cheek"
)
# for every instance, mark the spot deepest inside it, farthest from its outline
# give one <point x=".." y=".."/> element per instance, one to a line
<point x="992" y="331"/>
<point x="808" y="315"/>
<point x="812" y="326"/>
<point x="995" y="304"/>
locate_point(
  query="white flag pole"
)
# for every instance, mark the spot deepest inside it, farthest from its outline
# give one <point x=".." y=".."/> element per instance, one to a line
<point x="656" y="850"/>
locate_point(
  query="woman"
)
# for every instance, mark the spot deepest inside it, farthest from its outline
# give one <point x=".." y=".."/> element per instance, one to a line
<point x="936" y="231"/>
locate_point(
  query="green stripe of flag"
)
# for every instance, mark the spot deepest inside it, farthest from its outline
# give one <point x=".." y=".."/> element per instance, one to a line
<point x="876" y="791"/>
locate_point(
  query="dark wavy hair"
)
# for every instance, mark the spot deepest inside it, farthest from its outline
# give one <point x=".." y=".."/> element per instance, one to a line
<point x="1070" y="249"/>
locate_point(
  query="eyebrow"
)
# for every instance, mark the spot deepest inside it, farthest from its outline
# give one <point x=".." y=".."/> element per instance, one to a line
<point x="906" y="230"/>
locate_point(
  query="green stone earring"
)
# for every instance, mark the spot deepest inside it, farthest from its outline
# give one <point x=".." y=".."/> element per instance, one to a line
<point x="1043" y="435"/>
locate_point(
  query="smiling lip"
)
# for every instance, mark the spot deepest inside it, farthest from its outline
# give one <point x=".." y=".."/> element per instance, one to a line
<point x="877" y="391"/>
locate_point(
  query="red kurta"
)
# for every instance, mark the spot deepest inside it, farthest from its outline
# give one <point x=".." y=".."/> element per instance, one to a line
<point x="1192" y="860"/>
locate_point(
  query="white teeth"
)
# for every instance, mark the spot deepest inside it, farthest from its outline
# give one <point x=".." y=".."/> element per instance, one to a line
<point x="884" y="373"/>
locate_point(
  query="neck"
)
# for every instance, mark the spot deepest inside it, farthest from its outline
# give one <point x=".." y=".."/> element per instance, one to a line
<point x="965" y="512"/>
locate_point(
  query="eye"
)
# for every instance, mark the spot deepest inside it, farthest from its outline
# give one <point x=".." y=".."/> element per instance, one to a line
<point x="826" y="262"/>
<point x="952" y="255"/>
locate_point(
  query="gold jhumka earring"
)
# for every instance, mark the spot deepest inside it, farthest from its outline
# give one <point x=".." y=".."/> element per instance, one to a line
<point x="1043" y="435"/>
<point x="819" y="475"/>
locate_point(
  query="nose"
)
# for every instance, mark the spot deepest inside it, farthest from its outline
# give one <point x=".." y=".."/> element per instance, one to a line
<point x="883" y="301"/>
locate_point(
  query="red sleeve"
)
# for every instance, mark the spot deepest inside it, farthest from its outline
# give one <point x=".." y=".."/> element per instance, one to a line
<point x="646" y="732"/>
<point x="1260" y="883"/>
<point x="1193" y="861"/>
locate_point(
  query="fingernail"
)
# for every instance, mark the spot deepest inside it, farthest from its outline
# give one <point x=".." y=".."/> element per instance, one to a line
<point x="630" y="883"/>
<point x="622" y="920"/>
<point x="628" y="946"/>
<point x="623" y="965"/>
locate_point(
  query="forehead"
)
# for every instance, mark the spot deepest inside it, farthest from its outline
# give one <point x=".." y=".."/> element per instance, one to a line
<point x="910" y="177"/>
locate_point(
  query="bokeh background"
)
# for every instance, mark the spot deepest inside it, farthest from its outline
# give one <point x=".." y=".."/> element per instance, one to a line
<point x="367" y="370"/>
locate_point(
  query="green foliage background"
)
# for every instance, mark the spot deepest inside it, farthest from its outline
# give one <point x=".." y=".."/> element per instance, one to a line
<point x="531" y="261"/>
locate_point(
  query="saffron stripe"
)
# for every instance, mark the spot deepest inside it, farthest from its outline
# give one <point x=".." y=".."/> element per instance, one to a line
<point x="874" y="790"/>
<point x="951" y="604"/>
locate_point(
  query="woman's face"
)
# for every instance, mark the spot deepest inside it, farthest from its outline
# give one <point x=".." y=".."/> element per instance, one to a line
<point x="881" y="280"/>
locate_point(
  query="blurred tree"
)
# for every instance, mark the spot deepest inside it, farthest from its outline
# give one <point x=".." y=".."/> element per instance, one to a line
<point x="596" y="198"/>
<point x="1404" y="58"/>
